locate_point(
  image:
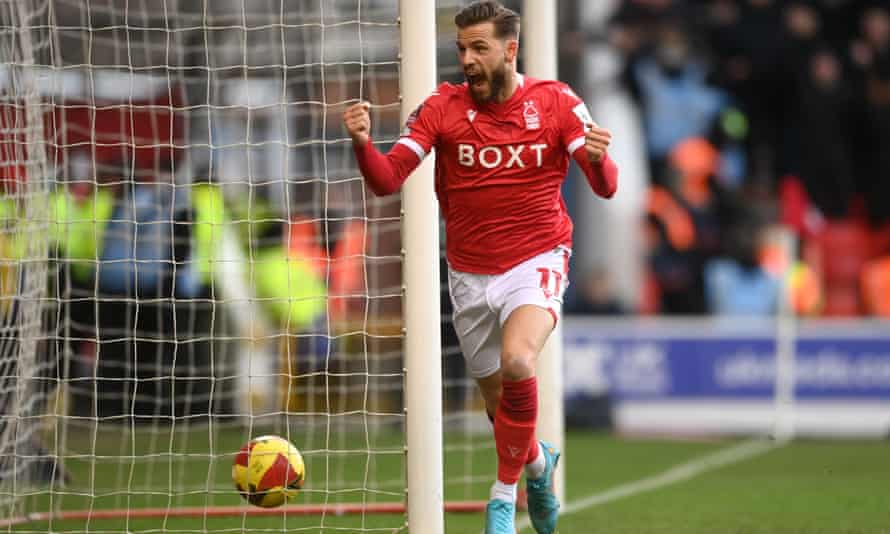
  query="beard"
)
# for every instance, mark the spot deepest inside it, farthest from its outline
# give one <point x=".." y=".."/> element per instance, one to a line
<point x="496" y="83"/>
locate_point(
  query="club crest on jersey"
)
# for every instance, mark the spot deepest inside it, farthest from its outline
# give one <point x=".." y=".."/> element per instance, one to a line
<point x="471" y="115"/>
<point x="530" y="113"/>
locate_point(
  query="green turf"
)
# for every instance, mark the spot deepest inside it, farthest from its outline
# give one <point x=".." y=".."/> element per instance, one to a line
<point x="804" y="487"/>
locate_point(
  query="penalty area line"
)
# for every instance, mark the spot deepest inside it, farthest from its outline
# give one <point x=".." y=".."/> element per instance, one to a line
<point x="678" y="473"/>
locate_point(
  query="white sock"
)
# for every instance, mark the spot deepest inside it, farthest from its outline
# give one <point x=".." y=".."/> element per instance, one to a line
<point x="536" y="468"/>
<point x="503" y="491"/>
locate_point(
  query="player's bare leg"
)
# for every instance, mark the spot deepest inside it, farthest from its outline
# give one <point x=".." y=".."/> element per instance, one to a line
<point x="490" y="387"/>
<point x="515" y="405"/>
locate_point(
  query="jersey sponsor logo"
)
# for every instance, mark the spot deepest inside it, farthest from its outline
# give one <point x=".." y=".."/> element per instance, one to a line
<point x="583" y="115"/>
<point x="530" y="113"/>
<point x="507" y="156"/>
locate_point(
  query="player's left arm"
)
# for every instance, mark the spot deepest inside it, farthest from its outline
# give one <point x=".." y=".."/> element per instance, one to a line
<point x="594" y="160"/>
<point x="588" y="144"/>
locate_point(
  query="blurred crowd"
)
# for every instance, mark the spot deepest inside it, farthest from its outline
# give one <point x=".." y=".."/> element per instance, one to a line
<point x="761" y="116"/>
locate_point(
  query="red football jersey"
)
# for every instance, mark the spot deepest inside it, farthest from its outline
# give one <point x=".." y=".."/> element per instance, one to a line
<point x="499" y="168"/>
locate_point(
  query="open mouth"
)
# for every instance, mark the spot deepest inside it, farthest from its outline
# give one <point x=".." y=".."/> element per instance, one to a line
<point x="475" y="80"/>
<point x="478" y="83"/>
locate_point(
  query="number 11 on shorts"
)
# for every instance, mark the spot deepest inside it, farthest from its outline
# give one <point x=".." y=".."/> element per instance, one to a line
<point x="551" y="282"/>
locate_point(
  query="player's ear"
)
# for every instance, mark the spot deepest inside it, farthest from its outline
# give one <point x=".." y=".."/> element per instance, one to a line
<point x="512" y="49"/>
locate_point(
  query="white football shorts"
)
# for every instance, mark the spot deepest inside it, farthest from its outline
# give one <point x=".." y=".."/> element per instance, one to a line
<point x="483" y="302"/>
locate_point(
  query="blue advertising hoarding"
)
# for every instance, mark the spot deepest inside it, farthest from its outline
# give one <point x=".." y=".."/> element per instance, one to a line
<point x="716" y="364"/>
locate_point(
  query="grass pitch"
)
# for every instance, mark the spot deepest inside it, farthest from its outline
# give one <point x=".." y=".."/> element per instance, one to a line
<point x="803" y="487"/>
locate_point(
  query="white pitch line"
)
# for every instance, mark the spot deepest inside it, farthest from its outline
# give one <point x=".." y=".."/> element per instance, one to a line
<point x="678" y="473"/>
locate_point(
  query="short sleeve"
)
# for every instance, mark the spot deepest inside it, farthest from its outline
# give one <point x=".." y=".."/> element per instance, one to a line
<point x="421" y="131"/>
<point x="574" y="117"/>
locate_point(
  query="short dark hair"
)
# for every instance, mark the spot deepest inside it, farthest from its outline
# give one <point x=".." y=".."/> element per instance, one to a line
<point x="506" y="21"/>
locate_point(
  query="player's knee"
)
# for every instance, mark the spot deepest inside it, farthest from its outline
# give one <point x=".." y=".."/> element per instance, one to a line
<point x="518" y="360"/>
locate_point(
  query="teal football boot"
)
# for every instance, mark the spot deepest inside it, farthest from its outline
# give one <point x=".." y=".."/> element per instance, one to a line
<point x="500" y="517"/>
<point x="543" y="506"/>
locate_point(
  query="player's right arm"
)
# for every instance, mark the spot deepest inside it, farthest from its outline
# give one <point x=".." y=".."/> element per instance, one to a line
<point x="385" y="173"/>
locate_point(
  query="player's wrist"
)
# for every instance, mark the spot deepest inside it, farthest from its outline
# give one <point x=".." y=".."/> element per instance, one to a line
<point x="361" y="141"/>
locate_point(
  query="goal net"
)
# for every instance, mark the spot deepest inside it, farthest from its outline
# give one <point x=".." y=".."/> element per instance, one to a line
<point x="190" y="259"/>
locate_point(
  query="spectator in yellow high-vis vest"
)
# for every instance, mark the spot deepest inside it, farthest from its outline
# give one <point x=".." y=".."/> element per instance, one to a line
<point x="78" y="228"/>
<point x="10" y="253"/>
<point x="209" y="216"/>
<point x="286" y="285"/>
<point x="289" y="288"/>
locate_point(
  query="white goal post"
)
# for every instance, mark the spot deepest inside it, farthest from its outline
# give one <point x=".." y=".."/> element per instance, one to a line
<point x="420" y="241"/>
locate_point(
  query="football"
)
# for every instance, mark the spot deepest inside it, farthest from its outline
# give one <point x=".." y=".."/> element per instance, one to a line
<point x="268" y="471"/>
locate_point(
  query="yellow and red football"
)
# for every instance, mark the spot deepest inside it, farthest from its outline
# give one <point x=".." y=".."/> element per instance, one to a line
<point x="268" y="471"/>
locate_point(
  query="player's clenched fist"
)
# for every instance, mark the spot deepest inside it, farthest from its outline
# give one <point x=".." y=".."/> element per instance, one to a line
<point x="596" y="141"/>
<point x="358" y="123"/>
